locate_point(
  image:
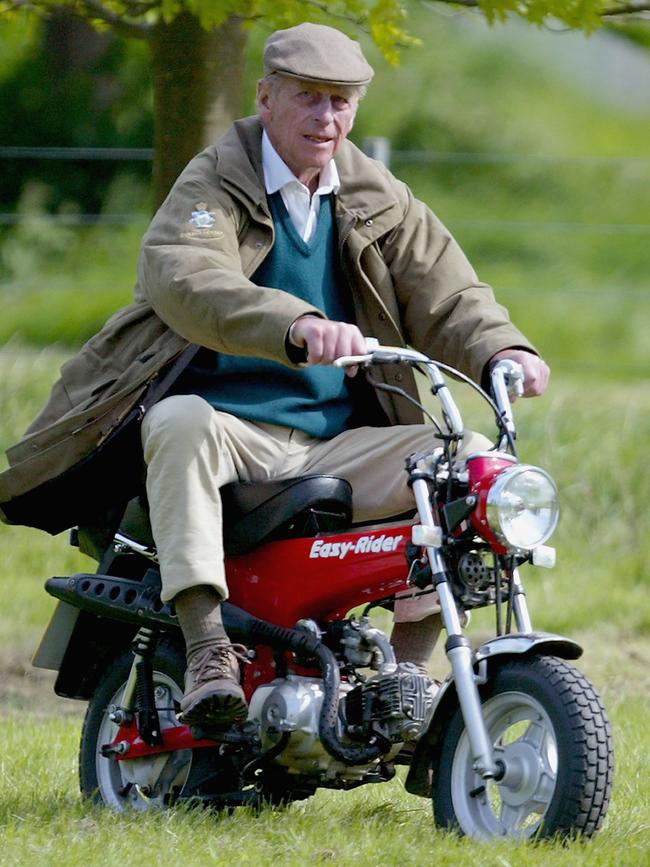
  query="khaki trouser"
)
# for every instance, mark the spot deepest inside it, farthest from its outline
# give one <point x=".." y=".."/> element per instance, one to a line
<point x="191" y="450"/>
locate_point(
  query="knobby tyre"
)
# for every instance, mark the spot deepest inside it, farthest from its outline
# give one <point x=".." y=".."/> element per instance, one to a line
<point x="547" y="722"/>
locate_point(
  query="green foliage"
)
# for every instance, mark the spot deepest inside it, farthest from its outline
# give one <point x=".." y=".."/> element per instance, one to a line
<point x="581" y="295"/>
<point x="638" y="33"/>
<point x="384" y="19"/>
<point x="95" y="96"/>
<point x="17" y="32"/>
<point x="575" y="13"/>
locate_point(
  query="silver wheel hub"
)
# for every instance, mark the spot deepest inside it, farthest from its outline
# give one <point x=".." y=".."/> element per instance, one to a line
<point x="143" y="783"/>
<point x="524" y="740"/>
<point x="524" y="771"/>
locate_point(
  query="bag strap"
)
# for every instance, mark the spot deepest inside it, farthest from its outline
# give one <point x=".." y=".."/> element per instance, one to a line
<point x="161" y="385"/>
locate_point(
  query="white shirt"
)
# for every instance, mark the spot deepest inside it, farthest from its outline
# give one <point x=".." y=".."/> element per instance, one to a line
<point x="303" y="208"/>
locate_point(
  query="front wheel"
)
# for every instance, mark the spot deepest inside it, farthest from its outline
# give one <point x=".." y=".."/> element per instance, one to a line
<point x="548" y="726"/>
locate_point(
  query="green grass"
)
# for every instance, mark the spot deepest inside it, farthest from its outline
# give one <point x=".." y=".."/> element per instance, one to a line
<point x="42" y="819"/>
<point x="592" y="437"/>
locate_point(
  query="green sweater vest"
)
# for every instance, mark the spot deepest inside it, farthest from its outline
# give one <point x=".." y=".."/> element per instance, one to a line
<point x="313" y="399"/>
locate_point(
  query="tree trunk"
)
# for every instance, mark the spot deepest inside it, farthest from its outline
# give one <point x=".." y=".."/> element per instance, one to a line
<point x="198" y="91"/>
<point x="225" y="66"/>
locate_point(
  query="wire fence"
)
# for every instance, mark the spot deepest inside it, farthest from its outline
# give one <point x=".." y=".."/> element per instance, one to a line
<point x="544" y="235"/>
<point x="56" y="153"/>
<point x="379" y="148"/>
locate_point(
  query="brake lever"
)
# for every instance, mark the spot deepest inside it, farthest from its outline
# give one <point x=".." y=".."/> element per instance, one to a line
<point x="351" y="360"/>
<point x="513" y="375"/>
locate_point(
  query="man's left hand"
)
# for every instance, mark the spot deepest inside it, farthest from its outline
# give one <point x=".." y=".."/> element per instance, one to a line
<point x="536" y="370"/>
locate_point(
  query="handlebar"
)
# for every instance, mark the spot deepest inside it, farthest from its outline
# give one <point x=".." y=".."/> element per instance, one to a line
<point x="506" y="376"/>
<point x="393" y="355"/>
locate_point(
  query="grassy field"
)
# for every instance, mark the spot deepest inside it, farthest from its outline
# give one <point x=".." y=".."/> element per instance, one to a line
<point x="591" y="436"/>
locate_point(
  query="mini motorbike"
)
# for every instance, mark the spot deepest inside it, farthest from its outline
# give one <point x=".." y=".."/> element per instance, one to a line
<point x="514" y="742"/>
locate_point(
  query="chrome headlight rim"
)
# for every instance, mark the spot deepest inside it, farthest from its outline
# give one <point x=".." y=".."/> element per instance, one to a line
<point x="495" y="505"/>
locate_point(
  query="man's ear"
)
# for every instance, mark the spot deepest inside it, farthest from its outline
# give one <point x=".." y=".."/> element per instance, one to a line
<point x="263" y="94"/>
<point x="354" y="116"/>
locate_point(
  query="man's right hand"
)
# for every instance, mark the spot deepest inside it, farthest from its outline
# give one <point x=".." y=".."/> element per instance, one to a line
<point x="325" y="340"/>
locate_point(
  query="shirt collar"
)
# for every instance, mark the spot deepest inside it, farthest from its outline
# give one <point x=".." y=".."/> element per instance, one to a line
<point x="277" y="173"/>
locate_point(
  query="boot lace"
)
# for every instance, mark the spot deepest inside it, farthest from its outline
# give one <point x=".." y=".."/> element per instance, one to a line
<point x="217" y="661"/>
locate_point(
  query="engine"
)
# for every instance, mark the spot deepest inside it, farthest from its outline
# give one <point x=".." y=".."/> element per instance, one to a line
<point x="391" y="705"/>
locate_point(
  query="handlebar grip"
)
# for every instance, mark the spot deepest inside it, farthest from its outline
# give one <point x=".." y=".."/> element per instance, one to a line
<point x="385" y="358"/>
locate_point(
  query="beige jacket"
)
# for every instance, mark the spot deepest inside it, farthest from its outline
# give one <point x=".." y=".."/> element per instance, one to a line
<point x="410" y="282"/>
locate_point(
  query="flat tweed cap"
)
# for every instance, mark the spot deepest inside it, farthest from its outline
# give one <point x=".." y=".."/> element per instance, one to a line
<point x="314" y="52"/>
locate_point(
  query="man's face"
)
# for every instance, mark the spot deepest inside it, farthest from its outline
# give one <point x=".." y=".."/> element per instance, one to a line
<point x="306" y="122"/>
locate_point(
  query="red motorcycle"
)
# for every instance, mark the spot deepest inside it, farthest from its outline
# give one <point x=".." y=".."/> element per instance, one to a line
<point x="515" y="742"/>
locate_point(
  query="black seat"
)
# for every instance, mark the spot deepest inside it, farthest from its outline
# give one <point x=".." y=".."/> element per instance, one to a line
<point x="256" y="512"/>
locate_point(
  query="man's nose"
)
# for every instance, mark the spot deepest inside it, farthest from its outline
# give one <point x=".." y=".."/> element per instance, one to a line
<point x="323" y="109"/>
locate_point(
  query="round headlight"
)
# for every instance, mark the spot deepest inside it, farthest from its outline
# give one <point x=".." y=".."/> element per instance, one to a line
<point x="522" y="507"/>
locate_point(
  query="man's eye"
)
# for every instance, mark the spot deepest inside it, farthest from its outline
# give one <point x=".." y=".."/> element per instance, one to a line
<point x="340" y="102"/>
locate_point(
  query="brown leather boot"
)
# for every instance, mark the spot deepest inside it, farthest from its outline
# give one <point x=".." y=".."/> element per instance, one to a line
<point x="213" y="696"/>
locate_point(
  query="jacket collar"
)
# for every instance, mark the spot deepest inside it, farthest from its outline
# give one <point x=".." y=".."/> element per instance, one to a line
<point x="239" y="155"/>
<point x="364" y="190"/>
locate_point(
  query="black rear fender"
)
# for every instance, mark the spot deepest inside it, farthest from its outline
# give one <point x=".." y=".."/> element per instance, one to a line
<point x="92" y="646"/>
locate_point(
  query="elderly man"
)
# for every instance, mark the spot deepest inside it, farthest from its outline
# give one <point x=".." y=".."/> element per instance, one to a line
<point x="277" y="251"/>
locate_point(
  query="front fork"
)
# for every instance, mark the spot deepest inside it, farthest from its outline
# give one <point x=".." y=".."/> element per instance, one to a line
<point x="458" y="648"/>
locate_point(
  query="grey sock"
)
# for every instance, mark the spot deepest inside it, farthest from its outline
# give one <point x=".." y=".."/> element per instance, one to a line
<point x="199" y="616"/>
<point x="414" y="642"/>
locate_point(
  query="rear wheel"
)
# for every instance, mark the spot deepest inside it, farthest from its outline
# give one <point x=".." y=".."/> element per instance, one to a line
<point x="144" y="783"/>
<point x="548" y="725"/>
